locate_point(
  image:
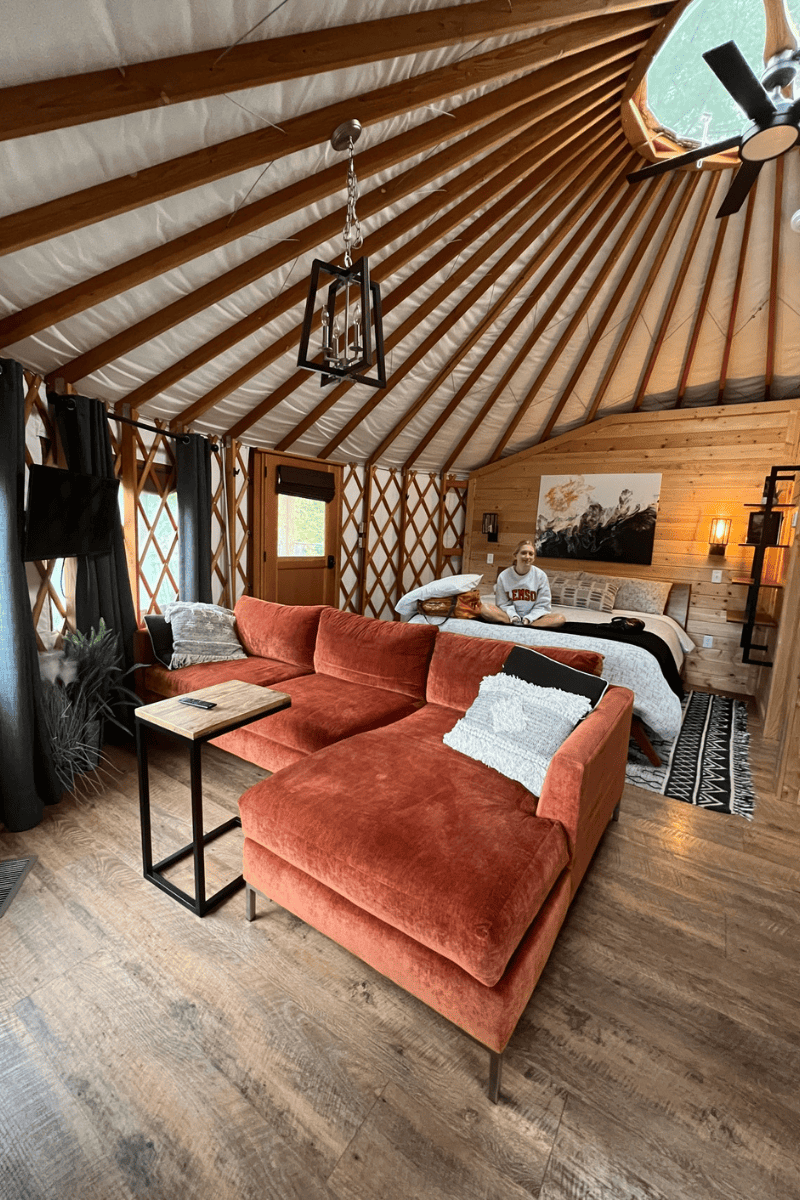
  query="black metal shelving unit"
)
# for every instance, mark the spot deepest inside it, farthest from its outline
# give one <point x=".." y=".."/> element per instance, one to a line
<point x="751" y="618"/>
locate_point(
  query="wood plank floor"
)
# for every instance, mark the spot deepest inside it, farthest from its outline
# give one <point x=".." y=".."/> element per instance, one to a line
<point x="147" y="1053"/>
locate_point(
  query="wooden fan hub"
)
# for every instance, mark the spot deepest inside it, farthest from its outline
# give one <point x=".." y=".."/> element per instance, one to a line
<point x="760" y="145"/>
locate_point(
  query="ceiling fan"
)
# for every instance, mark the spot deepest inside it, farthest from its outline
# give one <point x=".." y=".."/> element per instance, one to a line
<point x="776" y="121"/>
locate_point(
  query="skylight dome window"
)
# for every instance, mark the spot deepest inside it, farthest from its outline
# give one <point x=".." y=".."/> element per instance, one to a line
<point x="674" y="103"/>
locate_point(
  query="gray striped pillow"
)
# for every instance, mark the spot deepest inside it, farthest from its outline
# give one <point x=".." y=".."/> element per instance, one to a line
<point x="201" y="633"/>
<point x="577" y="591"/>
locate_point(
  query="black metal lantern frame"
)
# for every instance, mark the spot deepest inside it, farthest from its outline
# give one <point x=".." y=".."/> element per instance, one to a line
<point x="351" y="320"/>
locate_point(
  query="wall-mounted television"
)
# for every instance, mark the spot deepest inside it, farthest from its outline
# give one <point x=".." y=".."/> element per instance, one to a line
<point x="68" y="514"/>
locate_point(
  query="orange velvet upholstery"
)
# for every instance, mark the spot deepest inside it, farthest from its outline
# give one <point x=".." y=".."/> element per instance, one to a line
<point x="263" y="671"/>
<point x="379" y="654"/>
<point x="286" y="632"/>
<point x="325" y="710"/>
<point x="460" y="663"/>
<point x="422" y="837"/>
<point x="487" y="1013"/>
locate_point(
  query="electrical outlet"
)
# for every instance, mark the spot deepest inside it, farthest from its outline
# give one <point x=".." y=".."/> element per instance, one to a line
<point x="490" y="558"/>
<point x="794" y="519"/>
<point x="716" y="576"/>
<point x="707" y="641"/>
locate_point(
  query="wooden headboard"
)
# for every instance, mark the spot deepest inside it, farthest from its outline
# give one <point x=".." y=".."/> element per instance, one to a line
<point x="678" y="603"/>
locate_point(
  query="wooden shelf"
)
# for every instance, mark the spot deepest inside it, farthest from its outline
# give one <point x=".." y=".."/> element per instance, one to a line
<point x="770" y="545"/>
<point x="739" y="617"/>
<point x="750" y="582"/>
<point x="782" y="506"/>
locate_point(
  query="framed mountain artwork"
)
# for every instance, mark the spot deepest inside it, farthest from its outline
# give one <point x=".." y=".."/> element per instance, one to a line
<point x="598" y="518"/>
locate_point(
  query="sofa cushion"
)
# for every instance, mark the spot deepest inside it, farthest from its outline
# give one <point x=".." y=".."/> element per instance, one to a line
<point x="263" y="671"/>
<point x="459" y="663"/>
<point x="287" y="632"/>
<point x="201" y="633"/>
<point x="409" y="831"/>
<point x="326" y="709"/>
<point x="372" y="653"/>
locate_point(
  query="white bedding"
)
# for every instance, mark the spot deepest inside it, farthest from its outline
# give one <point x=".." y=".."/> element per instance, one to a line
<point x="627" y="665"/>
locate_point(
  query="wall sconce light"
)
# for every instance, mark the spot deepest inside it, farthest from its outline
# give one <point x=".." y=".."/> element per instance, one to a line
<point x="490" y="526"/>
<point x="351" y="323"/>
<point x="719" y="535"/>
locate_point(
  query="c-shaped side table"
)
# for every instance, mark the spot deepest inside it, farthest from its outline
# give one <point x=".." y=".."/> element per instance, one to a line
<point x="236" y="704"/>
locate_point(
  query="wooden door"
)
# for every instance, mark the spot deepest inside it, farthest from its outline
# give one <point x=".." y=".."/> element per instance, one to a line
<point x="295" y="540"/>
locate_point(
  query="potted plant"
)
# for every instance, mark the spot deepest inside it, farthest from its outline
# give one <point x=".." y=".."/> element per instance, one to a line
<point x="80" y="695"/>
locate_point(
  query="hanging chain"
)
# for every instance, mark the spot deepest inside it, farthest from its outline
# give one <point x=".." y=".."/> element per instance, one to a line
<point x="352" y="226"/>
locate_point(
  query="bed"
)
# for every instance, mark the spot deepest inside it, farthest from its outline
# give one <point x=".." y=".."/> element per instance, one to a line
<point x="629" y="665"/>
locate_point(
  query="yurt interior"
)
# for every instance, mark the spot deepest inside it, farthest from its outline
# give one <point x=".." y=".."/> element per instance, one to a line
<point x="399" y="663"/>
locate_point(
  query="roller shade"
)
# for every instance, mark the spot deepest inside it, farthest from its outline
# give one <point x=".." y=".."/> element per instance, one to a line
<point x="311" y="485"/>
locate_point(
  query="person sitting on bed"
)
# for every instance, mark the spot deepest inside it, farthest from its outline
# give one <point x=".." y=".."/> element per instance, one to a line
<point x="522" y="591"/>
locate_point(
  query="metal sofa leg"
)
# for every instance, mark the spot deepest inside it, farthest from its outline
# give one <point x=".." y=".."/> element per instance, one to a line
<point x="615" y="813"/>
<point x="495" y="1074"/>
<point x="249" y="902"/>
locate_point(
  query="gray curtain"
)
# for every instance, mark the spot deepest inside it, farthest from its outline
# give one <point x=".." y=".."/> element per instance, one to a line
<point x="27" y="778"/>
<point x="102" y="587"/>
<point x="193" y="456"/>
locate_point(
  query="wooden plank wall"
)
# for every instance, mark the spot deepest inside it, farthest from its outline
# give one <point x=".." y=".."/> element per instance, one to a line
<point x="712" y="462"/>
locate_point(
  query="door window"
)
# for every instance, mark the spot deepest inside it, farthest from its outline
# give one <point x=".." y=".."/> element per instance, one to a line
<point x="301" y="527"/>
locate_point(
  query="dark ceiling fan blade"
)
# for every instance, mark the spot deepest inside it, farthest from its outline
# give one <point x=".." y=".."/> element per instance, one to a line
<point x="670" y="164"/>
<point x="733" y="71"/>
<point x="737" y="193"/>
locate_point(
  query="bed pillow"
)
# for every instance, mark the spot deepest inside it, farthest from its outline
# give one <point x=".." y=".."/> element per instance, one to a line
<point x="452" y="585"/>
<point x="160" y="632"/>
<point x="516" y="727"/>
<point x="643" y="595"/>
<point x="525" y="663"/>
<point x="584" y="591"/>
<point x="201" y="633"/>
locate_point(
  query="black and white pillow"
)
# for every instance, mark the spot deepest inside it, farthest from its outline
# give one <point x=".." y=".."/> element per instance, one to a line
<point x="516" y="727"/>
<point x="202" y="633"/>
<point x="524" y="663"/>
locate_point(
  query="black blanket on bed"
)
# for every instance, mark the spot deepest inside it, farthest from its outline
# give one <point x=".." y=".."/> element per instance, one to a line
<point x="648" y="641"/>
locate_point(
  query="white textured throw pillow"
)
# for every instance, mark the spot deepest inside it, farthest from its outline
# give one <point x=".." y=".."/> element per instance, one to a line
<point x="201" y="633"/>
<point x="452" y="585"/>
<point x="516" y="727"/>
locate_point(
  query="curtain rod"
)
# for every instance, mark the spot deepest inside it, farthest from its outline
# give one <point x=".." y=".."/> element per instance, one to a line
<point x="178" y="437"/>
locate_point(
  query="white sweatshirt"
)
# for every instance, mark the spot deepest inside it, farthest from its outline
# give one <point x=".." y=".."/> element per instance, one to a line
<point x="526" y="596"/>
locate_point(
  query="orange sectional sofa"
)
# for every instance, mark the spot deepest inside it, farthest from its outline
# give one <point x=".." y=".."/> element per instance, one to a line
<point x="445" y="876"/>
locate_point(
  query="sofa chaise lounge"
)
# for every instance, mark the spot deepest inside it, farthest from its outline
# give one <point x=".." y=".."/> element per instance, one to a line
<point x="445" y="876"/>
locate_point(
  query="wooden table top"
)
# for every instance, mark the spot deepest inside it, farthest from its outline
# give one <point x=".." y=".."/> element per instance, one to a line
<point x="235" y="701"/>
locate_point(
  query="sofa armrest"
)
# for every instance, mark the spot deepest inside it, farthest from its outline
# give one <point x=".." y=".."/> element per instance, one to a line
<point x="585" y="779"/>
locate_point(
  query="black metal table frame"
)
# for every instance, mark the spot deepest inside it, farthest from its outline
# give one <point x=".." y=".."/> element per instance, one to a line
<point x="199" y="903"/>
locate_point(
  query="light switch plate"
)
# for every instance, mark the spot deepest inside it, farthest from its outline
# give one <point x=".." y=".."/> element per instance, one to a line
<point x="716" y="576"/>
<point x="708" y="641"/>
<point x="490" y="558"/>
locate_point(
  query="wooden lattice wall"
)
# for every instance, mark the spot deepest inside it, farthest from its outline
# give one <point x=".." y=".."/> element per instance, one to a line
<point x="398" y="529"/>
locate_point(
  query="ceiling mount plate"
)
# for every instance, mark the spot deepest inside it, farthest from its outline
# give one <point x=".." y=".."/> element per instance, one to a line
<point x="345" y="133"/>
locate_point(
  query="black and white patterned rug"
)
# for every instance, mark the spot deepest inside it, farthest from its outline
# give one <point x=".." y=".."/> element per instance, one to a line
<point x="708" y="763"/>
<point x="12" y="873"/>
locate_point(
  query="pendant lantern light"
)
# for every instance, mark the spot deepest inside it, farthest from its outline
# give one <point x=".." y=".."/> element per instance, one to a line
<point x="349" y="324"/>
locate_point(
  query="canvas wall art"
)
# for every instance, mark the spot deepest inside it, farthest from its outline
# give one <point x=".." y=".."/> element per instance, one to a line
<point x="602" y="518"/>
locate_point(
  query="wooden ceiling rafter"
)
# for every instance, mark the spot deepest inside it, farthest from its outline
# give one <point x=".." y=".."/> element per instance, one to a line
<point x="702" y="306"/>
<point x="418" y="353"/>
<point x="736" y="295"/>
<point x="585" y="200"/>
<point x="569" y="133"/>
<point x="383" y="271"/>
<point x="510" y="150"/>
<point x="428" y="306"/>
<point x="647" y="238"/>
<point x="59" y="103"/>
<point x="665" y="243"/>
<point x="623" y="197"/>
<point x="677" y="286"/>
<point x="769" y="369"/>
<point x="612" y="257"/>
<point x="259" y="214"/>
<point x="210" y="163"/>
